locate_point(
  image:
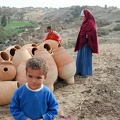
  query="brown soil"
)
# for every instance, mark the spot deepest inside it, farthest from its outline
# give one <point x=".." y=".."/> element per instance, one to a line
<point x="93" y="98"/>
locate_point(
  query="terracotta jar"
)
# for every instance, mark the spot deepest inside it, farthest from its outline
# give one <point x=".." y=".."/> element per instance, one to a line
<point x="52" y="68"/>
<point x="46" y="46"/>
<point x="7" y="50"/>
<point x="21" y="73"/>
<point x="29" y="45"/>
<point x="20" y="54"/>
<point x="7" y="70"/>
<point x="54" y="44"/>
<point x="4" y="56"/>
<point x="31" y="48"/>
<point x="7" y="89"/>
<point x="11" y="53"/>
<point x="17" y="46"/>
<point x="10" y="47"/>
<point x="11" y="50"/>
<point x="65" y="64"/>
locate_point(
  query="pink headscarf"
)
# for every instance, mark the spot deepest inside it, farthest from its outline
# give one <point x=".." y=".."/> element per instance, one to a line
<point x="88" y="28"/>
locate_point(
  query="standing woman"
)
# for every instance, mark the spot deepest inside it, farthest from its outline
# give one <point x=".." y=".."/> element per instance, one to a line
<point x="86" y="44"/>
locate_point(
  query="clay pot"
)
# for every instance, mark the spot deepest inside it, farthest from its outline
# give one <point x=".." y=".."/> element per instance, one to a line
<point x="4" y="56"/>
<point x="29" y="45"/>
<point x="11" y="50"/>
<point x="7" y="89"/>
<point x="65" y="64"/>
<point x="52" y="68"/>
<point x="46" y="46"/>
<point x="54" y="44"/>
<point x="7" y="70"/>
<point x="7" y="50"/>
<point x="21" y="73"/>
<point x="31" y="48"/>
<point x="17" y="46"/>
<point x="11" y="53"/>
<point x="20" y="54"/>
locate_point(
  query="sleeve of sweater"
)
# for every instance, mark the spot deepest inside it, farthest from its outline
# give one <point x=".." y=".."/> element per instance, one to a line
<point x="15" y="108"/>
<point x="46" y="37"/>
<point x="52" y="111"/>
<point x="59" y="38"/>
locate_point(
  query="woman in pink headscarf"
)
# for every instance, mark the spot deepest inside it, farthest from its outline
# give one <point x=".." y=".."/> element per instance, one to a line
<point x="86" y="44"/>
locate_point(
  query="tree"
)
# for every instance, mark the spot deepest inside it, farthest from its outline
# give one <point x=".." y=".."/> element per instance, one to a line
<point x="21" y="16"/>
<point x="77" y="10"/>
<point x="3" y="21"/>
<point x="8" y="19"/>
<point x="2" y="36"/>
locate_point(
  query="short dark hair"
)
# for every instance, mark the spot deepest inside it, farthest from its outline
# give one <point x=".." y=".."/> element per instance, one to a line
<point x="49" y="27"/>
<point x="37" y="63"/>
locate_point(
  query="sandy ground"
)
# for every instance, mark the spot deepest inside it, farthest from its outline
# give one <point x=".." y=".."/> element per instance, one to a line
<point x="96" y="97"/>
<point x="93" y="98"/>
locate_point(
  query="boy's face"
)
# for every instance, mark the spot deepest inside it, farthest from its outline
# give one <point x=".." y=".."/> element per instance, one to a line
<point x="49" y="30"/>
<point x="35" y="78"/>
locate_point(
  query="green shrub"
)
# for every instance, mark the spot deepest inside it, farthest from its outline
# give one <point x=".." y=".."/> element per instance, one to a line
<point x="117" y="21"/>
<point x="102" y="32"/>
<point x="2" y="36"/>
<point x="117" y="28"/>
<point x="77" y="10"/>
<point x="101" y="23"/>
<point x="14" y="28"/>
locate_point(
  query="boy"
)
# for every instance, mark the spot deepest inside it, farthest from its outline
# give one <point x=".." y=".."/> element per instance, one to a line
<point x="34" y="101"/>
<point x="53" y="35"/>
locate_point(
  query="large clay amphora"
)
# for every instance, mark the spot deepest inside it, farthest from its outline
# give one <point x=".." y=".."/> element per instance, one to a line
<point x="21" y="73"/>
<point x="54" y="44"/>
<point x="46" y="46"/>
<point x="7" y="89"/>
<point x="31" y="48"/>
<point x="17" y="46"/>
<point x="7" y="70"/>
<point x="7" y="50"/>
<point x="29" y="45"/>
<point x="65" y="64"/>
<point x="11" y="52"/>
<point x="4" y="56"/>
<point x="52" y="67"/>
<point x="20" y="54"/>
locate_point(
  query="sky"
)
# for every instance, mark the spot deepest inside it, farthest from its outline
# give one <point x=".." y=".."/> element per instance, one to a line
<point x="58" y="3"/>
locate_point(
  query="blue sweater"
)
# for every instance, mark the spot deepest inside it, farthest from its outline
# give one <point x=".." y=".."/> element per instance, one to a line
<point x="34" y="104"/>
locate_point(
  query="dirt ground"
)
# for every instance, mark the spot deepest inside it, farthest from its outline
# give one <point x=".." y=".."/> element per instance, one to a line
<point x="96" y="97"/>
<point x="93" y="98"/>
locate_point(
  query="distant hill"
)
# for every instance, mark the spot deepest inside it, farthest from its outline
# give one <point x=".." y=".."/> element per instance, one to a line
<point x="45" y="15"/>
<point x="67" y="18"/>
<point x="62" y="15"/>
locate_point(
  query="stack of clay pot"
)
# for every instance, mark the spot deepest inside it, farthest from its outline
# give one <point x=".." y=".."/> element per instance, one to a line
<point x="65" y="62"/>
<point x="60" y="62"/>
<point x="7" y="75"/>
